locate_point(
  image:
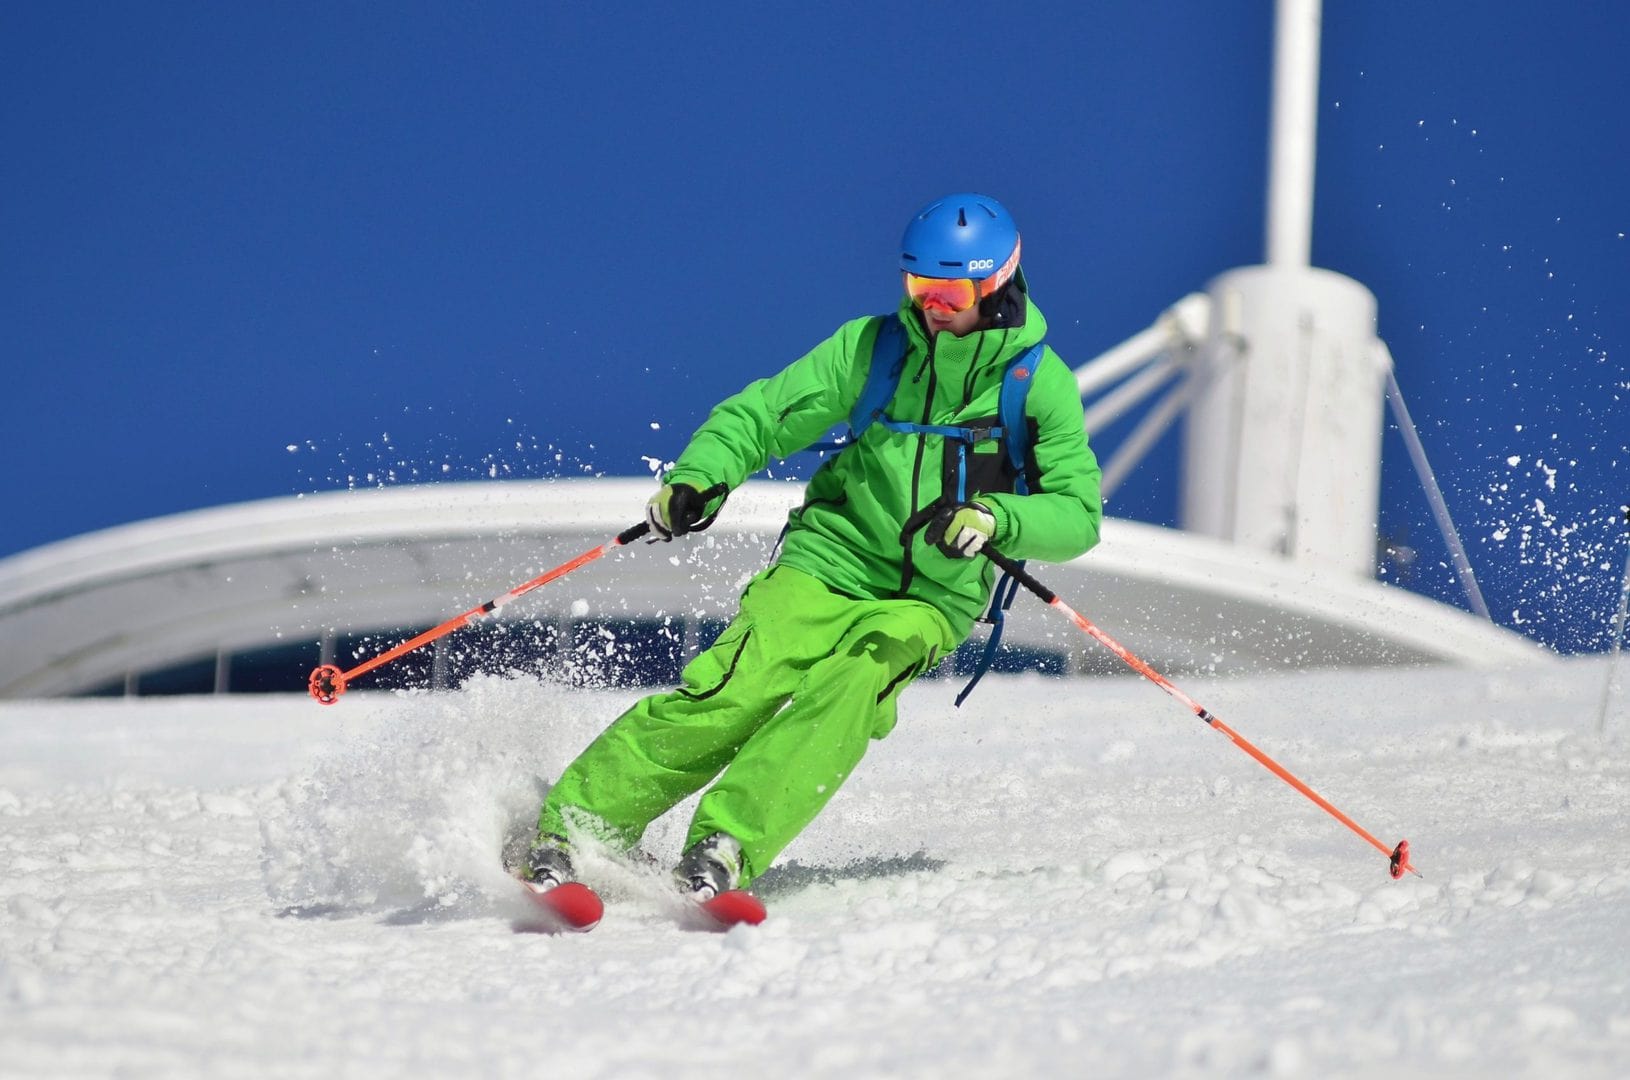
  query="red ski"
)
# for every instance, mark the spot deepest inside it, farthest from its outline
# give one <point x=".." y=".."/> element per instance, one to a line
<point x="576" y="908"/>
<point x="572" y="907"/>
<point x="731" y="908"/>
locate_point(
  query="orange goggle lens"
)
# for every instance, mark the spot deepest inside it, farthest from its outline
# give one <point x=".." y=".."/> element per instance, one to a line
<point x="946" y="294"/>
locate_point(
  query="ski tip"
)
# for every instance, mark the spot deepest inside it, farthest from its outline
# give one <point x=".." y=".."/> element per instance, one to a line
<point x="572" y="907"/>
<point x="734" y="908"/>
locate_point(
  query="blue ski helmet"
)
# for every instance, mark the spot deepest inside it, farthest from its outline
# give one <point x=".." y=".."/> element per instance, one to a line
<point x="966" y="235"/>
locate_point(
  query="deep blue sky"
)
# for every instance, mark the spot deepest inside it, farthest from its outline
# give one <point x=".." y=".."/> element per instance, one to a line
<point x="440" y="242"/>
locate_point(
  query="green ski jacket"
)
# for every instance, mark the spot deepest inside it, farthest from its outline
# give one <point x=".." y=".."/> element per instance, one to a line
<point x="847" y="532"/>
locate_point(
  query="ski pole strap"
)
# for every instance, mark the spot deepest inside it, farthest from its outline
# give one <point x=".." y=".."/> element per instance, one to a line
<point x="1007" y="587"/>
<point x="985" y="660"/>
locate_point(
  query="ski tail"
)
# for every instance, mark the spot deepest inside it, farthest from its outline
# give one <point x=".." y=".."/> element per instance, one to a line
<point x="733" y="907"/>
<point x="569" y="908"/>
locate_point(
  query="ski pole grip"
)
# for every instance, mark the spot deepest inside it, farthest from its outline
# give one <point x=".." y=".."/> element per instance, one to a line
<point x="634" y="532"/>
<point x="1019" y="574"/>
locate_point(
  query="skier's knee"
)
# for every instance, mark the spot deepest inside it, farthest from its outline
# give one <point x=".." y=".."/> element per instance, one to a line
<point x="890" y="653"/>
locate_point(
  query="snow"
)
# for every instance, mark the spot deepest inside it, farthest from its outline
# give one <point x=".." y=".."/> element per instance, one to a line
<point x="1062" y="878"/>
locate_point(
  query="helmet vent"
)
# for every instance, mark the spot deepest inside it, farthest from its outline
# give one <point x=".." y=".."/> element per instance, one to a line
<point x="961" y="235"/>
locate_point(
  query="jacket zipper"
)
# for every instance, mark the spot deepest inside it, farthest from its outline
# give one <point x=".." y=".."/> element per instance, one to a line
<point x="973" y="373"/>
<point x="908" y="567"/>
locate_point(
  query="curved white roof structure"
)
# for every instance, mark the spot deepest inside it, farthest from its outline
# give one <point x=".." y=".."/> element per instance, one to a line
<point x="96" y="611"/>
<point x="1279" y="376"/>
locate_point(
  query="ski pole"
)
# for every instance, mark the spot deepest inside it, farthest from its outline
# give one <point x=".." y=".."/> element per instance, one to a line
<point x="1398" y="857"/>
<point x="328" y="682"/>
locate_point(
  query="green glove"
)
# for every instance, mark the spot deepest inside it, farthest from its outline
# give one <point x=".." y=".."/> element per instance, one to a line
<point x="961" y="529"/>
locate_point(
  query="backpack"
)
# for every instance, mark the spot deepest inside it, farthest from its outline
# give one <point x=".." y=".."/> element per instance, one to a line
<point x="887" y="364"/>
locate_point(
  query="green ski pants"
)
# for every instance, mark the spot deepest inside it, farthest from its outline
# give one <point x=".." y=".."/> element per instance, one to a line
<point x="779" y="710"/>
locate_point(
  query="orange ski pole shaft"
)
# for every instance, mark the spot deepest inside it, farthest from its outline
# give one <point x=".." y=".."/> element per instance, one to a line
<point x="328" y="682"/>
<point x="1398" y="857"/>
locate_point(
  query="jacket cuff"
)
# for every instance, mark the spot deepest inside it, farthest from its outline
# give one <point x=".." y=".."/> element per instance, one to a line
<point x="682" y="476"/>
<point x="1004" y="523"/>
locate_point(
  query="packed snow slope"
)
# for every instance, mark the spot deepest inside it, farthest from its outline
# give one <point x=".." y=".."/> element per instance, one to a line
<point x="1064" y="878"/>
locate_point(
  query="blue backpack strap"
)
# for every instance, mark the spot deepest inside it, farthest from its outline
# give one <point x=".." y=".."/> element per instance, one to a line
<point x="888" y="361"/>
<point x="963" y="437"/>
<point x="1011" y="427"/>
<point x="1016" y="383"/>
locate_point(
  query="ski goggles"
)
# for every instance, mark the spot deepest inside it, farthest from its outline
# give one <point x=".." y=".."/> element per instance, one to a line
<point x="946" y="294"/>
<point x="959" y="294"/>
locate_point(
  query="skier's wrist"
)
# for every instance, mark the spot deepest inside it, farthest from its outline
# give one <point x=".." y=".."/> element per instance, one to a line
<point x="1004" y="531"/>
<point x="685" y="476"/>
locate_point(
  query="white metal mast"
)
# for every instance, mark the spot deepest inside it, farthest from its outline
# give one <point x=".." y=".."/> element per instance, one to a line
<point x="1283" y="447"/>
<point x="1279" y="373"/>
<point x="1294" y="136"/>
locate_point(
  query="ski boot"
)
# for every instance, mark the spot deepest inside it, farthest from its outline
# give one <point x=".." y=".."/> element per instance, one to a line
<point x="547" y="864"/>
<point x="561" y="903"/>
<point x="710" y="875"/>
<point x="710" y="868"/>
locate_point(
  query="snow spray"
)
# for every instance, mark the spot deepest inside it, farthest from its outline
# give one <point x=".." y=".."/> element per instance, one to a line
<point x="1618" y="636"/>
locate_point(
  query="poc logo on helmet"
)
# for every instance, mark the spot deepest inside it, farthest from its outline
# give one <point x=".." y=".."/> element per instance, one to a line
<point x="981" y="264"/>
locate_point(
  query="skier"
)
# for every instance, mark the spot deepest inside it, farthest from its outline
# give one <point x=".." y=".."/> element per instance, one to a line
<point x="777" y="713"/>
